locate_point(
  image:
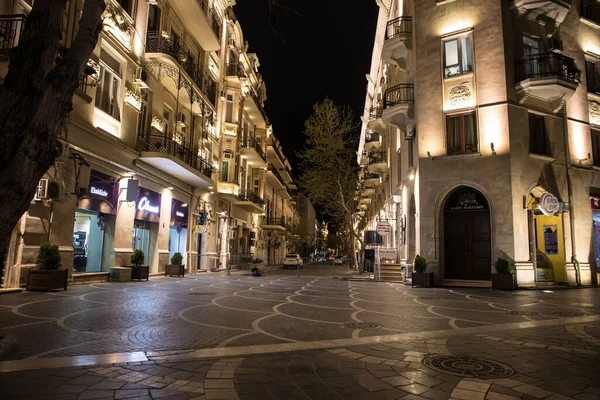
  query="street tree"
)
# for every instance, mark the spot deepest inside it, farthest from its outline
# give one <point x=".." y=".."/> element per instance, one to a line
<point x="35" y="97"/>
<point x="329" y="171"/>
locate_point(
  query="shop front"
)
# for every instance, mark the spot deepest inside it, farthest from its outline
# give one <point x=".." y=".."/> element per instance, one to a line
<point x="178" y="230"/>
<point x="146" y="223"/>
<point x="595" y="203"/>
<point x="94" y="227"/>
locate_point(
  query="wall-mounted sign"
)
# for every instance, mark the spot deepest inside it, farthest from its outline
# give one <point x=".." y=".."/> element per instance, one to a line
<point x="466" y="200"/>
<point x="179" y="213"/>
<point x="102" y="194"/>
<point x="384" y="228"/>
<point x="548" y="204"/>
<point x="147" y="205"/>
<point x="550" y="239"/>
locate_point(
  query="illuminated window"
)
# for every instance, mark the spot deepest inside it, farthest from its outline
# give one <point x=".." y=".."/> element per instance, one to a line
<point x="596" y="146"/>
<point x="458" y="56"/>
<point x="538" y="135"/>
<point x="109" y="85"/>
<point x="461" y="132"/>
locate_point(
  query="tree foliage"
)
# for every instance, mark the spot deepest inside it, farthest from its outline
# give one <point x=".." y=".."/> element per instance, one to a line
<point x="328" y="163"/>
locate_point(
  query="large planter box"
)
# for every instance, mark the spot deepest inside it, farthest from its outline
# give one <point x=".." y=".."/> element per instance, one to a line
<point x="47" y="280"/>
<point x="422" y="280"/>
<point x="139" y="272"/>
<point x="503" y="281"/>
<point x="171" y="269"/>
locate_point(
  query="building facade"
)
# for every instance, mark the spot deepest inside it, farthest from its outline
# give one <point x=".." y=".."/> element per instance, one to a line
<point x="480" y="137"/>
<point x="166" y="149"/>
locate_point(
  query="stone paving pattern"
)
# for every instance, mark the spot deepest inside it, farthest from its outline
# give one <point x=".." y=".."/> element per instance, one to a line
<point x="550" y="342"/>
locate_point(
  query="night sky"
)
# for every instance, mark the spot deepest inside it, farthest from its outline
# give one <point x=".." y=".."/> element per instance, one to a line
<point x="319" y="49"/>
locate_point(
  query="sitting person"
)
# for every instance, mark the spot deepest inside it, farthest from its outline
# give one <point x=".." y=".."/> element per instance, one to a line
<point x="256" y="272"/>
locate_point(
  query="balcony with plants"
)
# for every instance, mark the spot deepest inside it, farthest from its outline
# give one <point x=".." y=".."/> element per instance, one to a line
<point x="168" y="155"/>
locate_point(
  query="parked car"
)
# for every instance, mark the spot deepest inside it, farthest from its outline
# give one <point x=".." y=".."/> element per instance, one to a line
<point x="292" y="260"/>
<point x="339" y="260"/>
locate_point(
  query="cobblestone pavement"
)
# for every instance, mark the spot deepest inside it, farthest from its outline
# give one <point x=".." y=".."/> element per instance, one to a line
<point x="282" y="337"/>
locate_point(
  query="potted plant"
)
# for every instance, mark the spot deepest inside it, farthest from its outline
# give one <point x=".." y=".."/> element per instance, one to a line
<point x="503" y="279"/>
<point x="175" y="268"/>
<point x="138" y="270"/>
<point x="420" y="277"/>
<point x="48" y="275"/>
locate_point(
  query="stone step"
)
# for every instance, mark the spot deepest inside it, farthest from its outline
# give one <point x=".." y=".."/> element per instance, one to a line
<point x="466" y="283"/>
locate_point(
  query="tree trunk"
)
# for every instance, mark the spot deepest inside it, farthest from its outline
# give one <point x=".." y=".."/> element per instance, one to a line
<point x="35" y="98"/>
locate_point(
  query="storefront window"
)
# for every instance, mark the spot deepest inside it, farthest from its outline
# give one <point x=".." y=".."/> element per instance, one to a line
<point x="178" y="230"/>
<point x="88" y="241"/>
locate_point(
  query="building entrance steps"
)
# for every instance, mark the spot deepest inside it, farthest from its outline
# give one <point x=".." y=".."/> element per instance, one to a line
<point x="391" y="272"/>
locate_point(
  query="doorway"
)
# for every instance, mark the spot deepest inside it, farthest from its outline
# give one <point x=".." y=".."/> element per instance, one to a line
<point x="141" y="238"/>
<point x="467" y="236"/>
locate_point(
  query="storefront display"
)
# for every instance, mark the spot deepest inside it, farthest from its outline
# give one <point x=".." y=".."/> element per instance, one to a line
<point x="178" y="229"/>
<point x="93" y="231"/>
<point x="147" y="217"/>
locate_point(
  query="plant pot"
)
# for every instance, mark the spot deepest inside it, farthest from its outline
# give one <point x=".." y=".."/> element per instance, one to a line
<point x="503" y="281"/>
<point x="139" y="272"/>
<point x="173" y="269"/>
<point x="47" y="280"/>
<point x="422" y="280"/>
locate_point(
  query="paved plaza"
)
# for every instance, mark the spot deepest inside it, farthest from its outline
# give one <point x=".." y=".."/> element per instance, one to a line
<point x="315" y="336"/>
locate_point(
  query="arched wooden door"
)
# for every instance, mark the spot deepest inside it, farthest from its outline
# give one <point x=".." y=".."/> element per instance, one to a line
<point x="467" y="236"/>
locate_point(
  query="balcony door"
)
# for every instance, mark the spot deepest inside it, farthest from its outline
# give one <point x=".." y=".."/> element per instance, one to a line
<point x="531" y="47"/>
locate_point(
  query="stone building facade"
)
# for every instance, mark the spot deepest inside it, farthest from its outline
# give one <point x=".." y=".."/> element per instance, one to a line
<point x="146" y="147"/>
<point x="480" y="137"/>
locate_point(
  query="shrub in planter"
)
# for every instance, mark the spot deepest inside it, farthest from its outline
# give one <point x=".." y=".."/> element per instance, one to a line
<point x="175" y="268"/>
<point x="420" y="277"/>
<point x="503" y="279"/>
<point x="138" y="270"/>
<point x="48" y="276"/>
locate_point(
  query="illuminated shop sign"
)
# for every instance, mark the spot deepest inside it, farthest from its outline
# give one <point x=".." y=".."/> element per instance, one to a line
<point x="179" y="213"/>
<point x="147" y="206"/>
<point x="102" y="194"/>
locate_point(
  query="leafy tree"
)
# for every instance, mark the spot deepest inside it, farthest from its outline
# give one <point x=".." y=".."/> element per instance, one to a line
<point x="329" y="170"/>
<point x="35" y="97"/>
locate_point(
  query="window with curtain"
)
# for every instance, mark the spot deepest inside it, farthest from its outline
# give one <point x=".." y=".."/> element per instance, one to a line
<point x="108" y="89"/>
<point x="538" y="135"/>
<point x="596" y="146"/>
<point x="458" y="56"/>
<point x="461" y="130"/>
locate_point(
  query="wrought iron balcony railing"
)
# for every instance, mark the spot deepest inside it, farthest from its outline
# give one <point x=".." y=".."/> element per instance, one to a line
<point x="252" y="197"/>
<point x="276" y="173"/>
<point x="398" y="26"/>
<point x="378" y="158"/>
<point x="372" y="137"/>
<point x="275" y="221"/>
<point x="547" y="65"/>
<point x="399" y="94"/>
<point x="11" y="27"/>
<point x="375" y="113"/>
<point x="252" y="143"/>
<point x="166" y="145"/>
<point x="259" y="105"/>
<point x="368" y="175"/>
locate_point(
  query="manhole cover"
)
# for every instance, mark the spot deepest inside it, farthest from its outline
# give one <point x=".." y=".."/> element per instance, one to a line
<point x="203" y="294"/>
<point x="518" y="312"/>
<point x="468" y="367"/>
<point x="361" y="325"/>
<point x="568" y="313"/>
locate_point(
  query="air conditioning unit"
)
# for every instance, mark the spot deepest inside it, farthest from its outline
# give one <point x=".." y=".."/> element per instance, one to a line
<point x="140" y="78"/>
<point x="48" y="190"/>
<point x="62" y="151"/>
<point x="555" y="44"/>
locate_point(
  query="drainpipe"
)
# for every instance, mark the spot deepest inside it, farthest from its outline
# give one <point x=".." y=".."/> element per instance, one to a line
<point x="571" y="205"/>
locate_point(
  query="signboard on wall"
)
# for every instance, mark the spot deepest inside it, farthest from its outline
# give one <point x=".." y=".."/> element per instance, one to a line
<point x="387" y="255"/>
<point x="102" y="194"/>
<point x="383" y="228"/>
<point x="466" y="200"/>
<point x="179" y="213"/>
<point x="147" y="205"/>
<point x="548" y="204"/>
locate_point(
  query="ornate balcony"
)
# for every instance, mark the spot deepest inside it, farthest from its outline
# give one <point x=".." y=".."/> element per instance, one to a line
<point x="546" y="11"/>
<point x="250" y="202"/>
<point x="11" y="27"/>
<point x="377" y="162"/>
<point x="398" y="104"/>
<point x="370" y="179"/>
<point x="253" y="153"/>
<point x="274" y="223"/>
<point x="274" y="178"/>
<point x="375" y="121"/>
<point x="199" y="20"/>
<point x="398" y="42"/>
<point x="549" y="77"/>
<point x="236" y="70"/>
<point x="254" y="107"/>
<point x="372" y="141"/>
<point x="175" y="159"/>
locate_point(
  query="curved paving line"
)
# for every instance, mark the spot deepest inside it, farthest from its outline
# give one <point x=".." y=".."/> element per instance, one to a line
<point x="39" y="355"/>
<point x="279" y="312"/>
<point x="452" y="320"/>
<point x="579" y="332"/>
<point x="253" y="298"/>
<point x="213" y="301"/>
<point x="258" y="329"/>
<point x="398" y="315"/>
<point x="15" y="310"/>
<point x="225" y="342"/>
<point x="317" y="306"/>
<point x="61" y="322"/>
<point x="28" y="324"/>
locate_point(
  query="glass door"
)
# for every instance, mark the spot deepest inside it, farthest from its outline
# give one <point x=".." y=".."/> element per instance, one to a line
<point x="141" y="239"/>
